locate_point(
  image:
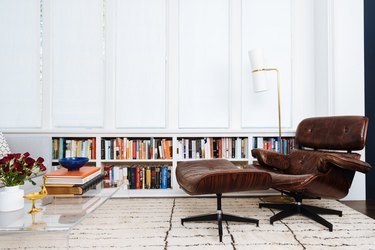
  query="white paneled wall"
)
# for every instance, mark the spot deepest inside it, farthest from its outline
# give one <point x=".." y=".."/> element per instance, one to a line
<point x="162" y="64"/>
<point x="204" y="64"/>
<point x="140" y="88"/>
<point x="175" y="64"/>
<point x="77" y="41"/>
<point x="20" y="85"/>
<point x="267" y="25"/>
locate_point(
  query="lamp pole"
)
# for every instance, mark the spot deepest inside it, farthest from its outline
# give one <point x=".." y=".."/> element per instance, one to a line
<point x="278" y="98"/>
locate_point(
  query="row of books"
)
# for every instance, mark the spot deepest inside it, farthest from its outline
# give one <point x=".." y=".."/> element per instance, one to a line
<point x="139" y="177"/>
<point x="207" y="148"/>
<point x="72" y="147"/>
<point x="64" y="182"/>
<point x="140" y="149"/>
<point x="286" y="145"/>
<point x="161" y="148"/>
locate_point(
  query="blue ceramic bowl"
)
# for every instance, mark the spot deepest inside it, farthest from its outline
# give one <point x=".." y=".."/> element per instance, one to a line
<point x="73" y="163"/>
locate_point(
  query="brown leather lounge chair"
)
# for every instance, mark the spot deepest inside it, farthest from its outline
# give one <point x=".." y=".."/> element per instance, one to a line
<point x="317" y="170"/>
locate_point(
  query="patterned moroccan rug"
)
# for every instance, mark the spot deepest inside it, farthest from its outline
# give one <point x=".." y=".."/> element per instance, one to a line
<point x="154" y="223"/>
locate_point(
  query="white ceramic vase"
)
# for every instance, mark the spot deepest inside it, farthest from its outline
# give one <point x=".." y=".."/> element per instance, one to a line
<point x="11" y="199"/>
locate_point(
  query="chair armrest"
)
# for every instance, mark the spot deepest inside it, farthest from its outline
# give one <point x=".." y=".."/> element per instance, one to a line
<point x="270" y="158"/>
<point x="345" y="163"/>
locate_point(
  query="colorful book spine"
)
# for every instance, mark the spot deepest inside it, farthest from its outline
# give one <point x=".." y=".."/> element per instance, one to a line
<point x="164" y="178"/>
<point x="153" y="178"/>
<point x="138" y="178"/>
<point x="132" y="178"/>
<point x="157" y="177"/>
<point x="148" y="178"/>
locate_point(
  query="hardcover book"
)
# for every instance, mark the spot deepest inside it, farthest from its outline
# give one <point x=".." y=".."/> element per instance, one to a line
<point x="164" y="178"/>
<point x="77" y="189"/>
<point x="157" y="177"/>
<point x="148" y="178"/>
<point x="63" y="176"/>
<point x="137" y="178"/>
<point x="132" y="179"/>
<point x="153" y="178"/>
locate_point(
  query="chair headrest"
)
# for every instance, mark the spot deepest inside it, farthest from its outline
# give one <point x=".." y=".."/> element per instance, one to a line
<point x="334" y="132"/>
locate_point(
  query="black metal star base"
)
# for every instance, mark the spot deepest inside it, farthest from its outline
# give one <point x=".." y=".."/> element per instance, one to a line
<point x="219" y="216"/>
<point x="311" y="212"/>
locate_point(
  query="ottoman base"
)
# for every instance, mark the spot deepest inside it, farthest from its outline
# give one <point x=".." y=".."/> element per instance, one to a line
<point x="219" y="216"/>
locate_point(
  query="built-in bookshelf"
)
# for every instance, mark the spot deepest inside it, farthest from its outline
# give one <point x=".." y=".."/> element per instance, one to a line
<point x="144" y="164"/>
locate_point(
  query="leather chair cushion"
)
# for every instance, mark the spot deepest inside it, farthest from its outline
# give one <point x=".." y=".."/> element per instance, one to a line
<point x="286" y="181"/>
<point x="313" y="161"/>
<point x="335" y="133"/>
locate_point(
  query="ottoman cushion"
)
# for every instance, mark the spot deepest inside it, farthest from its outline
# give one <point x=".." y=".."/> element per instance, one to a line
<point x="218" y="176"/>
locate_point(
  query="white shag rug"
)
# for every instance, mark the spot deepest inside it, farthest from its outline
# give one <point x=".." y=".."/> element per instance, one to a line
<point x="155" y="223"/>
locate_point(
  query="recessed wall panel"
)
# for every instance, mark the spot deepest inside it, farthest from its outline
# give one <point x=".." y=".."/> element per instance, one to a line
<point x="140" y="64"/>
<point x="20" y="84"/>
<point x="267" y="25"/>
<point x="77" y="63"/>
<point x="204" y="86"/>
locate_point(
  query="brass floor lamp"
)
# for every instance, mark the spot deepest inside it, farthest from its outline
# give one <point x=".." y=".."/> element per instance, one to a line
<point x="260" y="84"/>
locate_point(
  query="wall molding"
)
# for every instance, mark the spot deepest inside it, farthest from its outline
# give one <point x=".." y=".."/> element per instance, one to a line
<point x="292" y="72"/>
<point x="330" y="56"/>
<point x="229" y="80"/>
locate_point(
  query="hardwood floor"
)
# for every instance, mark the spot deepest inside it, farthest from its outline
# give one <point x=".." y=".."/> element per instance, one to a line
<point x="365" y="207"/>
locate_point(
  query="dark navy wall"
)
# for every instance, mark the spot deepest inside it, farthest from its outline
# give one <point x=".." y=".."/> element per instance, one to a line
<point x="369" y="25"/>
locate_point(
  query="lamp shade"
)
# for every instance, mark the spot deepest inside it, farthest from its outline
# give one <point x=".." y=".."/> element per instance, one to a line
<point x="257" y="59"/>
<point x="260" y="81"/>
<point x="257" y="63"/>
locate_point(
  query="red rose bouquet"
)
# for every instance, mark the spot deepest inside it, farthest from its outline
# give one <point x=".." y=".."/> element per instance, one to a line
<point x="16" y="168"/>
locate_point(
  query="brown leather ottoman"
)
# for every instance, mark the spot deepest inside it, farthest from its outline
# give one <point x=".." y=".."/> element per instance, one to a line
<point x="218" y="176"/>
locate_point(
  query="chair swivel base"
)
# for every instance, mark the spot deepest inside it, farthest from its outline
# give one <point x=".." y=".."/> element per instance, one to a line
<point x="311" y="212"/>
<point x="219" y="216"/>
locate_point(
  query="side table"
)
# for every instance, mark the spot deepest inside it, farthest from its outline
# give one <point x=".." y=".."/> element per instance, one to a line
<point x="51" y="226"/>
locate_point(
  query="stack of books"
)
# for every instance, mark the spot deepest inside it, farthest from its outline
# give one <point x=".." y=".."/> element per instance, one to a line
<point x="64" y="182"/>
